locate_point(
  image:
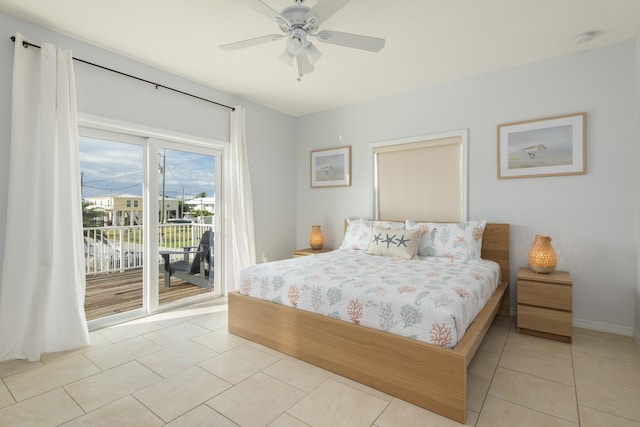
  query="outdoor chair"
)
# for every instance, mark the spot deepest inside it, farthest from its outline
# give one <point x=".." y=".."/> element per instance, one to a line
<point x="196" y="272"/>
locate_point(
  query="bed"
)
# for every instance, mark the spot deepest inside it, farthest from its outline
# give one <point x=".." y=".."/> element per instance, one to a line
<point x="429" y="375"/>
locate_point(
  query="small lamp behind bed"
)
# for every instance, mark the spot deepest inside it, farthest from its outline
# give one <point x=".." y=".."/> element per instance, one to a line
<point x="316" y="240"/>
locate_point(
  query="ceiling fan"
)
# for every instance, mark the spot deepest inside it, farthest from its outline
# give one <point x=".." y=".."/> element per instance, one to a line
<point x="298" y="24"/>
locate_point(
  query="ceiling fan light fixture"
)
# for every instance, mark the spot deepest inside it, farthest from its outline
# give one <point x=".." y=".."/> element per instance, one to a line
<point x="313" y="53"/>
<point x="287" y="57"/>
<point x="295" y="45"/>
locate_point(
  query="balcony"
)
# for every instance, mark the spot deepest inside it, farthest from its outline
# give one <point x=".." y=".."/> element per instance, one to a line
<point x="113" y="266"/>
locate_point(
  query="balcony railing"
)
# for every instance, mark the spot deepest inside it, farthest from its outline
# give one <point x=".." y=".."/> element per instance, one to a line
<point x="120" y="248"/>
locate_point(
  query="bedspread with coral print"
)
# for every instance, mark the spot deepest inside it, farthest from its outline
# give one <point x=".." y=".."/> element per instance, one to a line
<point x="431" y="299"/>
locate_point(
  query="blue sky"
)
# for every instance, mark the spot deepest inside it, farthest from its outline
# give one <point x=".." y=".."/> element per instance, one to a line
<point x="113" y="168"/>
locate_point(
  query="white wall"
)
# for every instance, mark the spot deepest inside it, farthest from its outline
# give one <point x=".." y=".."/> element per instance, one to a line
<point x="590" y="217"/>
<point x="108" y="95"/>
<point x="637" y="193"/>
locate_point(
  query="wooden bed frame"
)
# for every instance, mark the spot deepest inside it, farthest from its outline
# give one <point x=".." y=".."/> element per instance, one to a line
<point x="426" y="375"/>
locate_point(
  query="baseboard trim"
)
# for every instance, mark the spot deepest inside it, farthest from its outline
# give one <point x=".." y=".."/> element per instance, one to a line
<point x="605" y="327"/>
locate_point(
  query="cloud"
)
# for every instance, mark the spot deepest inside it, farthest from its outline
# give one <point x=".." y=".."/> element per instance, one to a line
<point x="111" y="168"/>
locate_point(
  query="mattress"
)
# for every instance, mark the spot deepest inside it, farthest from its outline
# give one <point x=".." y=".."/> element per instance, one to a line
<point x="430" y="299"/>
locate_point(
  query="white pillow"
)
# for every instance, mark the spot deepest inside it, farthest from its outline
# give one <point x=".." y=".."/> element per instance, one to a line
<point x="460" y="241"/>
<point x="396" y="243"/>
<point x="358" y="232"/>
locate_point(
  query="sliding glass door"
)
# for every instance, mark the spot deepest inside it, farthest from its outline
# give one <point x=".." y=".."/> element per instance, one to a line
<point x="187" y="221"/>
<point x="150" y="215"/>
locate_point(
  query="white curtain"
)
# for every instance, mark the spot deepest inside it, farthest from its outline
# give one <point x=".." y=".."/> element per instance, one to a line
<point x="239" y="218"/>
<point x="43" y="284"/>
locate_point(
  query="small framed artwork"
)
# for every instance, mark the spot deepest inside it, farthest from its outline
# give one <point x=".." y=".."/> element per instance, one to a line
<point x="331" y="167"/>
<point x="543" y="147"/>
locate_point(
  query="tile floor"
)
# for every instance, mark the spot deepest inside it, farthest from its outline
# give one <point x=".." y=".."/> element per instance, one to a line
<point x="182" y="368"/>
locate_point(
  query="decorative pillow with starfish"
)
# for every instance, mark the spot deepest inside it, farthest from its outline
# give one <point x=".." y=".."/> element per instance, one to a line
<point x="395" y="243"/>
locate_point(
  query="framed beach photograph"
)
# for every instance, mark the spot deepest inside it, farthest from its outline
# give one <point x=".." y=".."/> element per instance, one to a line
<point x="543" y="147"/>
<point x="331" y="167"/>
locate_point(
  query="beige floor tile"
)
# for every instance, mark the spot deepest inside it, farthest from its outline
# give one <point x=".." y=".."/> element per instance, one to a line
<point x="177" y="358"/>
<point x="123" y="412"/>
<point x="267" y="350"/>
<point x="334" y="403"/>
<point x="239" y="364"/>
<point x="615" y="399"/>
<point x="13" y="367"/>
<point x="48" y="409"/>
<point x="500" y="413"/>
<point x="220" y="340"/>
<point x="609" y="346"/>
<point x="176" y="334"/>
<point x="494" y="341"/>
<point x="180" y="393"/>
<point x="212" y="321"/>
<point x="111" y="385"/>
<point x="48" y="377"/>
<point x="501" y="325"/>
<point x="97" y="341"/>
<point x="477" y="389"/>
<point x="202" y="416"/>
<point x="5" y="397"/>
<point x="286" y="420"/>
<point x="125" y="331"/>
<point x="472" y="418"/>
<point x="539" y="364"/>
<point x="171" y="318"/>
<point x="539" y="345"/>
<point x="484" y="363"/>
<point x="364" y="388"/>
<point x="553" y="398"/>
<point x="187" y="313"/>
<point x="297" y="373"/>
<point x="257" y="401"/>
<point x="591" y="418"/>
<point x="606" y="369"/>
<point x="122" y="352"/>
<point x="401" y="413"/>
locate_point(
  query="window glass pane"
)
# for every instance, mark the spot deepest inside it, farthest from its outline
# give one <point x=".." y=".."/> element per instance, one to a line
<point x="111" y="177"/>
<point x="187" y="195"/>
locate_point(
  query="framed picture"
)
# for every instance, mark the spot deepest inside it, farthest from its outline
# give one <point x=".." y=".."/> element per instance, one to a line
<point x="331" y="167"/>
<point x="543" y="147"/>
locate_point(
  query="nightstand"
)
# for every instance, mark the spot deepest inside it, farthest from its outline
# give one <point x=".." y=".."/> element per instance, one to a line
<point x="309" y="251"/>
<point x="545" y="304"/>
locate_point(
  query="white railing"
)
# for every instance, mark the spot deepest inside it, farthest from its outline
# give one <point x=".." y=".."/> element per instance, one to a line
<point x="120" y="248"/>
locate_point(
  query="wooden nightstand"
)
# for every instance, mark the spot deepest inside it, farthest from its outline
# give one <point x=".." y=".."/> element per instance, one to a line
<point x="309" y="251"/>
<point x="545" y="304"/>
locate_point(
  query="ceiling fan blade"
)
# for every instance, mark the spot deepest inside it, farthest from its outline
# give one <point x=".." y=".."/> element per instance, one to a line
<point x="263" y="8"/>
<point x="372" y="44"/>
<point x="304" y="65"/>
<point x="324" y="9"/>
<point x="251" y="42"/>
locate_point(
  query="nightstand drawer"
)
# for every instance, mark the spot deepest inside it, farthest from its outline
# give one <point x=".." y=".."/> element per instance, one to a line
<point x="545" y="320"/>
<point x="545" y="294"/>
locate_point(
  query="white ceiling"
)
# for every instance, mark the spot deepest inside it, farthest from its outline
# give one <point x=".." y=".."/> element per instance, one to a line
<point x="427" y="41"/>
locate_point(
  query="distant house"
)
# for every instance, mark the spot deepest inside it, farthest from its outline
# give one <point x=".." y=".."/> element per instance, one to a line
<point x="202" y="204"/>
<point x="127" y="209"/>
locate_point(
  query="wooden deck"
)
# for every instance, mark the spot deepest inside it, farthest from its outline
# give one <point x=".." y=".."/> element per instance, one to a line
<point x="114" y="293"/>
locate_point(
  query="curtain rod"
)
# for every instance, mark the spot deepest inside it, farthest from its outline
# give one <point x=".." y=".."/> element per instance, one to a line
<point x="26" y="44"/>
